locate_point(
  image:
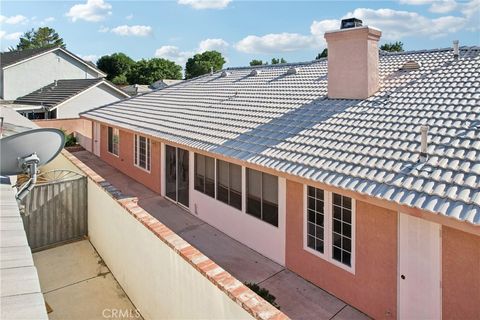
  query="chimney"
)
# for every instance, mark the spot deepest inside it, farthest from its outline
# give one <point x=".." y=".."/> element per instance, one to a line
<point x="455" y="49"/>
<point x="352" y="60"/>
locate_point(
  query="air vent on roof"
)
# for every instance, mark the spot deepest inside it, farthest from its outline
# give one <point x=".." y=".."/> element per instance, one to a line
<point x="254" y="73"/>
<point x="410" y="65"/>
<point x="225" y="74"/>
<point x="292" y="70"/>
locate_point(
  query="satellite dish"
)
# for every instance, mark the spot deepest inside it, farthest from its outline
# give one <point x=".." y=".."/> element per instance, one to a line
<point x="46" y="143"/>
<point x="24" y="152"/>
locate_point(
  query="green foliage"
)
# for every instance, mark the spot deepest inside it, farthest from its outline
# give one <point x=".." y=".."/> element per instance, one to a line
<point x="323" y="54"/>
<point x="278" y="61"/>
<point x="203" y="63"/>
<point x="40" y="38"/>
<point x="264" y="293"/>
<point x="149" y="71"/>
<point x="70" y="139"/>
<point x="392" y="46"/>
<point x="115" y="65"/>
<point x="120" y="80"/>
<point x="256" y="62"/>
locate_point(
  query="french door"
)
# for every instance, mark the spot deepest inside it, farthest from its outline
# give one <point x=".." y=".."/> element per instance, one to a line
<point x="176" y="175"/>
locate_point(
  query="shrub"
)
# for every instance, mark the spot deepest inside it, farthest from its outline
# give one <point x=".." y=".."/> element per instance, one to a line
<point x="70" y="139"/>
<point x="264" y="293"/>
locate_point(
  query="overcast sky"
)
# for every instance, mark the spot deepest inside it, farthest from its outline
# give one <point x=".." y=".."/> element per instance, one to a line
<point x="241" y="30"/>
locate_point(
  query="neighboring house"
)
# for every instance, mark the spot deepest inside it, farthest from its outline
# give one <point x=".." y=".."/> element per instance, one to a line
<point x="25" y="71"/>
<point x="159" y="84"/>
<point x="67" y="98"/>
<point x="327" y="167"/>
<point x="135" y="89"/>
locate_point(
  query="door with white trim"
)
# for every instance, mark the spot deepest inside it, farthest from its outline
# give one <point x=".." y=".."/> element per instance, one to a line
<point x="96" y="139"/>
<point x="419" y="271"/>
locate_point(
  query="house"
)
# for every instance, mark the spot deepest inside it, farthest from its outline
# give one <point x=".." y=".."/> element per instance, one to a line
<point x="360" y="173"/>
<point x="135" y="89"/>
<point x="67" y="98"/>
<point x="32" y="78"/>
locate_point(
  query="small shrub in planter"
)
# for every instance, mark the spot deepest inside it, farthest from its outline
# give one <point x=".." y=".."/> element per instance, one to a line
<point x="70" y="139"/>
<point x="264" y="293"/>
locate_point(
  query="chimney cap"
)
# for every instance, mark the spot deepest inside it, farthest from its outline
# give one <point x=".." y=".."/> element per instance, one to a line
<point x="351" y="23"/>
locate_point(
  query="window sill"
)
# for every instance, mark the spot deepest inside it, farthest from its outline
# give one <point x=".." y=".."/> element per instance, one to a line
<point x="323" y="256"/>
<point x="143" y="169"/>
<point x="113" y="154"/>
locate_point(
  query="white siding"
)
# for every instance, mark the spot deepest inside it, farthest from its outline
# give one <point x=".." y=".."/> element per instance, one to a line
<point x="31" y="75"/>
<point x="89" y="99"/>
<point x="254" y="233"/>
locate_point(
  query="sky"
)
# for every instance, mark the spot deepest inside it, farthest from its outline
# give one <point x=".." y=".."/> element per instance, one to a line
<point x="241" y="30"/>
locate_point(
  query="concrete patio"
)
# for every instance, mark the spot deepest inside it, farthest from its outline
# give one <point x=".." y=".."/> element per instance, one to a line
<point x="298" y="298"/>
<point x="76" y="284"/>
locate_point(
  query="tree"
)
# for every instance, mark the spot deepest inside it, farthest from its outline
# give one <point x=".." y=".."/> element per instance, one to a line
<point x="149" y="71"/>
<point x="324" y="54"/>
<point x="392" y="46"/>
<point x="40" y="38"/>
<point x="255" y="62"/>
<point x="277" y="61"/>
<point x="203" y="63"/>
<point x="120" y="80"/>
<point x="115" y="65"/>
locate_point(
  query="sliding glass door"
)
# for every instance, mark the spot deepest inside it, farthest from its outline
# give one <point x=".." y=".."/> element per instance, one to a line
<point x="176" y="174"/>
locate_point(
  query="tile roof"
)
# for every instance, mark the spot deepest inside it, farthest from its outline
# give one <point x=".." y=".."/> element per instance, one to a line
<point x="12" y="57"/>
<point x="286" y="122"/>
<point x="52" y="95"/>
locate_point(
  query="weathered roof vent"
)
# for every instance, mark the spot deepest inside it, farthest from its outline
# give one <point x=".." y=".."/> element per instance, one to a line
<point x="410" y="65"/>
<point x="351" y="23"/>
<point x="292" y="70"/>
<point x="255" y="72"/>
<point x="225" y="74"/>
<point x="455" y="49"/>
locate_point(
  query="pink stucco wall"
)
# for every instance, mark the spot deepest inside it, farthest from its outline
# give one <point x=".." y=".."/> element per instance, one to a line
<point x="125" y="161"/>
<point x="461" y="275"/>
<point x="373" y="287"/>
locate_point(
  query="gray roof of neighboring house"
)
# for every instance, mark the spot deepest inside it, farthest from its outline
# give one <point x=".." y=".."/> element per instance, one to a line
<point x="12" y="57"/>
<point x="287" y="123"/>
<point x="54" y="94"/>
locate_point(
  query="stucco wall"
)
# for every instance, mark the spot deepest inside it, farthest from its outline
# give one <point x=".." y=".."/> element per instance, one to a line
<point x="33" y="74"/>
<point x="81" y="128"/>
<point x="161" y="284"/>
<point x="373" y="287"/>
<point x="125" y="161"/>
<point x="92" y="98"/>
<point x="461" y="274"/>
<point x="261" y="236"/>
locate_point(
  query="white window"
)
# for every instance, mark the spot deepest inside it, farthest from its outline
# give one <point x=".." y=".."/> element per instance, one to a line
<point x="262" y="196"/>
<point x="229" y="184"/>
<point x="330" y="227"/>
<point x="205" y="174"/>
<point x="113" y="141"/>
<point x="142" y="152"/>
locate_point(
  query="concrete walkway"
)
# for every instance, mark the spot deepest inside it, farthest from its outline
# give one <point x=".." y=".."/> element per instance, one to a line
<point x="297" y="298"/>
<point x="76" y="284"/>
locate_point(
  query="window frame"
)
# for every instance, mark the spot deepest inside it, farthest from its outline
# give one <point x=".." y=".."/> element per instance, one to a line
<point x="229" y="187"/>
<point x="136" y="153"/>
<point x="118" y="141"/>
<point x="261" y="196"/>
<point x="195" y="159"/>
<point x="327" y="254"/>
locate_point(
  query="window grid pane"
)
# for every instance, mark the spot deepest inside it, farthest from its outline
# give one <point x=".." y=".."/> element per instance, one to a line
<point x="142" y="152"/>
<point x="315" y="219"/>
<point x="342" y="229"/>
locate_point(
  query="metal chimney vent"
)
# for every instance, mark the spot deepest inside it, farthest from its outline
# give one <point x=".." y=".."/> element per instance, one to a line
<point x="410" y="65"/>
<point x="351" y="23"/>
